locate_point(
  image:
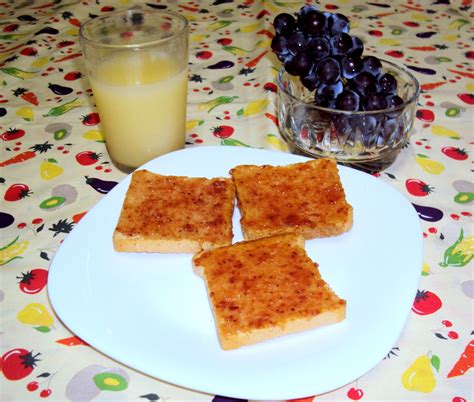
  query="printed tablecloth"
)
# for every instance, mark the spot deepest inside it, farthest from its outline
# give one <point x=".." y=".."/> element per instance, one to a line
<point x="55" y="167"/>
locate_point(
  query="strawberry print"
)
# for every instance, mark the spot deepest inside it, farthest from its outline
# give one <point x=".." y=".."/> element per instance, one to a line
<point x="426" y="302"/>
<point x="17" y="192"/>
<point x="223" y="131"/>
<point x="18" y="363"/>
<point x="91" y="119"/>
<point x="455" y="153"/>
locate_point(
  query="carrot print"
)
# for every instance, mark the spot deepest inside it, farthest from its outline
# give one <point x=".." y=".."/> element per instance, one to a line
<point x="265" y="32"/>
<point x="432" y="85"/>
<point x="465" y="361"/>
<point x="462" y="73"/>
<point x="423" y="48"/>
<point x="24" y="156"/>
<point x="272" y="117"/>
<point x="254" y="62"/>
<point x="72" y="341"/>
<point x="26" y="95"/>
<point x="68" y="57"/>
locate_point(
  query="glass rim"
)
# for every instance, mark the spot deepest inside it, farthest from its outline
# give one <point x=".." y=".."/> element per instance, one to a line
<point x="83" y="37"/>
<point x="400" y="107"/>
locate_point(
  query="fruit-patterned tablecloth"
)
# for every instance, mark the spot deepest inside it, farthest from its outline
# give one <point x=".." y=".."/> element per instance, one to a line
<point x="54" y="167"/>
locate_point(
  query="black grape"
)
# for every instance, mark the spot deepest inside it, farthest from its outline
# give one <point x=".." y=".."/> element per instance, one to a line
<point x="337" y="23"/>
<point x="375" y="101"/>
<point x="364" y="83"/>
<point x="279" y="44"/>
<point x="319" y="48"/>
<point x="387" y="84"/>
<point x="341" y="44"/>
<point x="328" y="92"/>
<point x="394" y="101"/>
<point x="284" y="24"/>
<point x="372" y="65"/>
<point x="300" y="64"/>
<point x="350" y="66"/>
<point x="296" y="42"/>
<point x="328" y="71"/>
<point x="348" y="100"/>
<point x="313" y="23"/>
<point x="310" y="81"/>
<point x="357" y="46"/>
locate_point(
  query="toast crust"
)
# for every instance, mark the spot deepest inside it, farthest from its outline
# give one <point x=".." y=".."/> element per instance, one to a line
<point x="305" y="198"/>
<point x="175" y="214"/>
<point x="265" y="288"/>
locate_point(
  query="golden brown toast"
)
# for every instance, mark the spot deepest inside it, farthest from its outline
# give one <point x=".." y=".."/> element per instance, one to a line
<point x="175" y="214"/>
<point x="264" y="288"/>
<point x="305" y="198"/>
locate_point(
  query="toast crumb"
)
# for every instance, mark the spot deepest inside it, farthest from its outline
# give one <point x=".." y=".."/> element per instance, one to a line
<point x="305" y="198"/>
<point x="265" y="288"/>
<point x="175" y="214"/>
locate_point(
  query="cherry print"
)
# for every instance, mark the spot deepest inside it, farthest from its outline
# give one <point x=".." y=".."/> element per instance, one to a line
<point x="447" y="323"/>
<point x="32" y="386"/>
<point x="45" y="392"/>
<point x="453" y="335"/>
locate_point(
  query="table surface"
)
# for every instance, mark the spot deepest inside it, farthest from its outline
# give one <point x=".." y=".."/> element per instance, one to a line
<point x="231" y="103"/>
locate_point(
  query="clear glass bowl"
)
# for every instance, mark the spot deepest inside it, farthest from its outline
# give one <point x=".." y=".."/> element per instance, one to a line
<point x="368" y="141"/>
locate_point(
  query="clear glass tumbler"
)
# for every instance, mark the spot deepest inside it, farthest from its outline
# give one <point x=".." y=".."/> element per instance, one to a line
<point x="137" y="64"/>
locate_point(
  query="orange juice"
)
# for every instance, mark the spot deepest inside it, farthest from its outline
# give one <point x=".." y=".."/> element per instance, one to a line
<point x="141" y="101"/>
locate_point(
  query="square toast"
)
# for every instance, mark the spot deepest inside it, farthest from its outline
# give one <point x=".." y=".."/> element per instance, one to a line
<point x="175" y="214"/>
<point x="264" y="288"/>
<point x="305" y="198"/>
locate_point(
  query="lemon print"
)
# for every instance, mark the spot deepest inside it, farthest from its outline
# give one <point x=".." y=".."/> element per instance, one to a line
<point x="26" y="113"/>
<point x="192" y="124"/>
<point x="198" y="38"/>
<point x="429" y="165"/>
<point x="276" y="142"/>
<point x="420" y="17"/>
<point x="35" y="314"/>
<point x="251" y="27"/>
<point x="254" y="107"/>
<point x="450" y="37"/>
<point x="40" y="62"/>
<point x="389" y="42"/>
<point x="445" y="132"/>
<point x="94" y="135"/>
<point x="425" y="270"/>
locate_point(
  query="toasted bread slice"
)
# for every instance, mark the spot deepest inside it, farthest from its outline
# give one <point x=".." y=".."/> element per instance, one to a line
<point x="264" y="288"/>
<point x="175" y="214"/>
<point x="304" y="198"/>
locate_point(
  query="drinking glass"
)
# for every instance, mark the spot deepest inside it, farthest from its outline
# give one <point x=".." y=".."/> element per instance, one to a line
<point x="137" y="63"/>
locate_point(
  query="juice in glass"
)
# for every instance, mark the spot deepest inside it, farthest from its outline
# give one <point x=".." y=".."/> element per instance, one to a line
<point x="142" y="113"/>
<point x="137" y="62"/>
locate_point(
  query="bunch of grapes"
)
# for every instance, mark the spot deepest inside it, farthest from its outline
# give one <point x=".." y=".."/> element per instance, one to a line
<point x="316" y="47"/>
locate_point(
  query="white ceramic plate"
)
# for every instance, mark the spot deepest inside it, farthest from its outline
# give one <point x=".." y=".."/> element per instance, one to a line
<point x="151" y="312"/>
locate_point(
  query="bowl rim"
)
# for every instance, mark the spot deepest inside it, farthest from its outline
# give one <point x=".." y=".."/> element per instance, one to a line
<point x="400" y="107"/>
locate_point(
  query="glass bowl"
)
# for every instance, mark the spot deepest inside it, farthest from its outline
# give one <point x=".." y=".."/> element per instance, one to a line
<point x="368" y="141"/>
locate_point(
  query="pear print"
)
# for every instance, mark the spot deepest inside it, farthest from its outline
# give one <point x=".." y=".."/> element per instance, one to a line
<point x="419" y="375"/>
